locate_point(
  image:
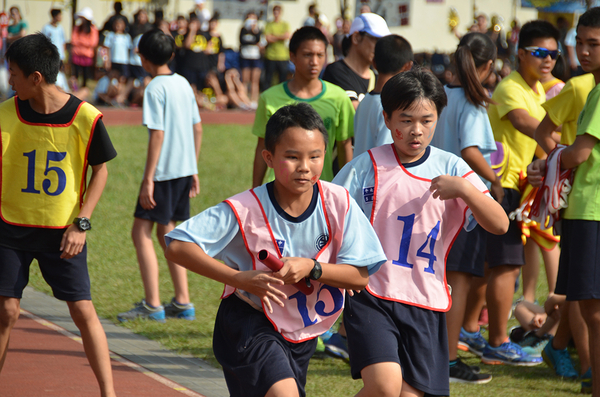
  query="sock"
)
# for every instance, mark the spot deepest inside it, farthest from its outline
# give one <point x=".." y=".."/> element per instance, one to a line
<point x="453" y="362"/>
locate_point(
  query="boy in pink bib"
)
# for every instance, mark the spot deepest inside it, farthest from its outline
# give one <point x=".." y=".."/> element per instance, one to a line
<point x="418" y="198"/>
<point x="314" y="227"/>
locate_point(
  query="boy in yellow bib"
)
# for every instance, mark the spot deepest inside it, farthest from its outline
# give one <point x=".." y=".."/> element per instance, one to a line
<point x="49" y="138"/>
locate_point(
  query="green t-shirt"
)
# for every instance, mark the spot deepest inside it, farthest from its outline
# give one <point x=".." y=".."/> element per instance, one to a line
<point x="510" y="94"/>
<point x="584" y="199"/>
<point x="277" y="51"/>
<point x="332" y="104"/>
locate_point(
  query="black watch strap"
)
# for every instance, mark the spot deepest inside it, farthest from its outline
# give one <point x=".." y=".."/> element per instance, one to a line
<point x="316" y="272"/>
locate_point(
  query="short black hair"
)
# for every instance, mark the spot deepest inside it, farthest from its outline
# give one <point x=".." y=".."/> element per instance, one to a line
<point x="297" y="115"/>
<point x="392" y="53"/>
<point x="537" y="29"/>
<point x="156" y="46"/>
<point x="55" y="12"/>
<point x="35" y="53"/>
<point x="590" y="18"/>
<point x="406" y="88"/>
<point x="306" y="33"/>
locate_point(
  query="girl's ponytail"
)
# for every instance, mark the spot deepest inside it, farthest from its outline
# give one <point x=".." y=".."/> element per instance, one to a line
<point x="474" y="50"/>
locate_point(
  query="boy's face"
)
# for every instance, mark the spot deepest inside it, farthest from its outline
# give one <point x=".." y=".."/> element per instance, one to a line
<point x="365" y="45"/>
<point x="21" y="84"/>
<point x="588" y="48"/>
<point x="309" y="59"/>
<point x="297" y="161"/>
<point x="412" y="129"/>
<point x="534" y="66"/>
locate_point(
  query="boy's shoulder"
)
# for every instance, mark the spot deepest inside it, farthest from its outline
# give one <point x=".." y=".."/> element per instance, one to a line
<point x="174" y="82"/>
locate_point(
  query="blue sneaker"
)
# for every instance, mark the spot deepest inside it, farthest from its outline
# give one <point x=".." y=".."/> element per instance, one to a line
<point x="586" y="382"/>
<point x="337" y="346"/>
<point x="472" y="341"/>
<point x="176" y="310"/>
<point x="145" y="311"/>
<point x="508" y="353"/>
<point x="533" y="344"/>
<point x="560" y="361"/>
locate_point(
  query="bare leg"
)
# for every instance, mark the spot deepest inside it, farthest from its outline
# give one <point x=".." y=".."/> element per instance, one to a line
<point x="94" y="343"/>
<point x="531" y="270"/>
<point x="476" y="301"/>
<point x="581" y="337"/>
<point x="499" y="296"/>
<point x="283" y="388"/>
<point x="590" y="309"/>
<point x="141" y="234"/>
<point x="178" y="273"/>
<point x="551" y="259"/>
<point x="9" y="314"/>
<point x="255" y="88"/>
<point x="382" y="380"/>
<point x="460" y="283"/>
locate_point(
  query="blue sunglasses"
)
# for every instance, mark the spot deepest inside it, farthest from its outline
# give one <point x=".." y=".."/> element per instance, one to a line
<point x="542" y="53"/>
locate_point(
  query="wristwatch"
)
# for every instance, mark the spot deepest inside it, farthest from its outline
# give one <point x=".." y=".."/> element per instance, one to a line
<point x="83" y="224"/>
<point x="316" y="271"/>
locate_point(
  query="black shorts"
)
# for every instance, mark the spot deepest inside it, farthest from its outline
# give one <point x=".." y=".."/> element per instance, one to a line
<point x="254" y="356"/>
<point x="172" y="202"/>
<point x="579" y="269"/>
<point x="195" y="77"/>
<point x="123" y="69"/>
<point x="138" y="72"/>
<point x="507" y="249"/>
<point x="467" y="254"/>
<point x="250" y="63"/>
<point x="68" y="278"/>
<point x="386" y="331"/>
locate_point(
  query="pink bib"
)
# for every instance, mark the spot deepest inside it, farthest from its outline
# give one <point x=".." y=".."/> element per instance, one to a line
<point x="304" y="316"/>
<point x="416" y="232"/>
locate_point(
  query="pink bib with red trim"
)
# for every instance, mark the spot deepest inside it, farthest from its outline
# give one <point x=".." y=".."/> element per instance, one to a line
<point x="304" y="316"/>
<point x="416" y="232"/>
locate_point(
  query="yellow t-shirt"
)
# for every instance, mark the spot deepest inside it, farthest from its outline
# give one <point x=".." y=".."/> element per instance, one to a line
<point x="510" y="94"/>
<point x="565" y="107"/>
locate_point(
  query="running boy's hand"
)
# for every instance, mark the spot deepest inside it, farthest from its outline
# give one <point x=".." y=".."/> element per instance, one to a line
<point x="294" y="269"/>
<point x="536" y="172"/>
<point x="446" y="187"/>
<point x="147" y="195"/>
<point x="258" y="283"/>
<point x="72" y="242"/>
<point x="195" y="190"/>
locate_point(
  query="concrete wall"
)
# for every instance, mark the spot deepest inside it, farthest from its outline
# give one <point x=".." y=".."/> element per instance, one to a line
<point x="427" y="29"/>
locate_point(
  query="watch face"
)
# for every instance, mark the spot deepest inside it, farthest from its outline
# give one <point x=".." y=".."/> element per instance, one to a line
<point x="84" y="224"/>
<point x="316" y="272"/>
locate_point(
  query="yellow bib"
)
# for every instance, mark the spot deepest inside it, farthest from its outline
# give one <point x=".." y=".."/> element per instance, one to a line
<point x="44" y="167"/>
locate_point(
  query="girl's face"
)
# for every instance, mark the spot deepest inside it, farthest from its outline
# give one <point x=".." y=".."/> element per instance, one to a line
<point x="15" y="14"/>
<point x="143" y="17"/>
<point x="119" y="26"/>
<point x="412" y="129"/>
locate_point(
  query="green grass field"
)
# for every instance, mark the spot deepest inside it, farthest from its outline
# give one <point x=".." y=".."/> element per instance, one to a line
<point x="225" y="169"/>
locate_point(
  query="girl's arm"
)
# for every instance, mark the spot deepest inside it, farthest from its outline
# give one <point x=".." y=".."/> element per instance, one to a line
<point x="259" y="283"/>
<point x="473" y="157"/>
<point x="488" y="213"/>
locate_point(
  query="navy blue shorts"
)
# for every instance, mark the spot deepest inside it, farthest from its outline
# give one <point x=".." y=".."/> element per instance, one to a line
<point x="68" y="278"/>
<point x="387" y="331"/>
<point x="123" y="69"/>
<point x="254" y="356"/>
<point x="195" y="77"/>
<point x="507" y="249"/>
<point x="138" y="72"/>
<point x="250" y="63"/>
<point x="579" y="269"/>
<point x="467" y="254"/>
<point x="172" y="202"/>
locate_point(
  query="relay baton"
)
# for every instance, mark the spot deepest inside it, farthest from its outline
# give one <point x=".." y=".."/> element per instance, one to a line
<point x="275" y="264"/>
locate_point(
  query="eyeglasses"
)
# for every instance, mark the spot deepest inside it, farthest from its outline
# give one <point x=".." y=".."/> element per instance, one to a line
<point x="542" y="53"/>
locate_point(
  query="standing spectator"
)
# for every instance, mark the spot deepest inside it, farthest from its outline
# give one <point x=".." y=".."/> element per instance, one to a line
<point x="354" y="73"/>
<point x="343" y="28"/>
<point x="119" y="44"/>
<point x="140" y="24"/>
<point x="17" y="28"/>
<point x="276" y="54"/>
<point x="55" y="32"/>
<point x="179" y="35"/>
<point x="84" y="41"/>
<point x="312" y="15"/>
<point x="570" y="42"/>
<point x="194" y="62"/>
<point x="203" y="14"/>
<point x="215" y="62"/>
<point x="110" y="22"/>
<point x="250" y="36"/>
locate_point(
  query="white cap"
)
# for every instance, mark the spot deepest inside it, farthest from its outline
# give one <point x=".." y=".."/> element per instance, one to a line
<point x="370" y="23"/>
<point x="199" y="1"/>
<point x="86" y="13"/>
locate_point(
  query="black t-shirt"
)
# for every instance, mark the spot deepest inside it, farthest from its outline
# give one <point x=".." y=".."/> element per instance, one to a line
<point x="195" y="58"/>
<point x="340" y="74"/>
<point x="214" y="46"/>
<point x="100" y="151"/>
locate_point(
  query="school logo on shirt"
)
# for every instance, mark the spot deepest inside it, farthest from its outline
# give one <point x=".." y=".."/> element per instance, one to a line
<point x="368" y="193"/>
<point x="280" y="245"/>
<point x="328" y="122"/>
<point x="321" y="241"/>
